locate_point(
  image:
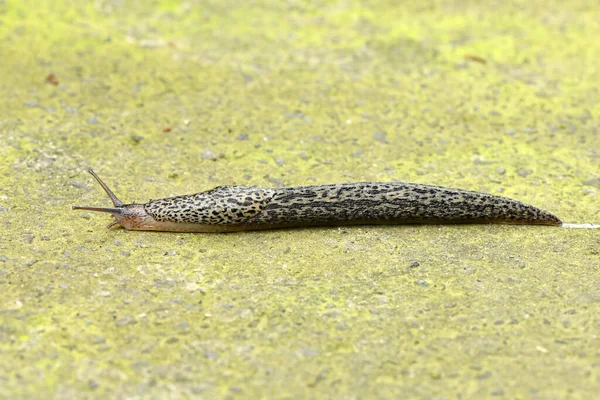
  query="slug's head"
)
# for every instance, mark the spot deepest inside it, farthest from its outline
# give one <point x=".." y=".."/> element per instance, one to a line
<point x="129" y="216"/>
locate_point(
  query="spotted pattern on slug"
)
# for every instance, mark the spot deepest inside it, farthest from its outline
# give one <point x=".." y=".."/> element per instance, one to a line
<point x="394" y="202"/>
<point x="223" y="205"/>
<point x="239" y="208"/>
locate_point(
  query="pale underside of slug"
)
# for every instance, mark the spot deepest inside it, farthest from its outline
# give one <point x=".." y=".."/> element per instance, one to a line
<point x="240" y="208"/>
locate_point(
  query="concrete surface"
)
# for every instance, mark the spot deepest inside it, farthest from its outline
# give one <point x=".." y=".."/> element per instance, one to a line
<point x="166" y="98"/>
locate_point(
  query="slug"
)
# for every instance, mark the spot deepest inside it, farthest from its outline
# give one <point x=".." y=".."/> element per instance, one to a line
<point x="241" y="208"/>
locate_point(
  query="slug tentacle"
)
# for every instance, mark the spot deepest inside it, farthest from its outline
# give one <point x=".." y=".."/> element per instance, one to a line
<point x="237" y="208"/>
<point x="129" y="216"/>
<point x="114" y="199"/>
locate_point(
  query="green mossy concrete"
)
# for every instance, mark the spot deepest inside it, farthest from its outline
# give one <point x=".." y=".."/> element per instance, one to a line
<point x="168" y="98"/>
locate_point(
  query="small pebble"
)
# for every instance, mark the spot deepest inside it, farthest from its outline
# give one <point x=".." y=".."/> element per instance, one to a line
<point x="126" y="320"/>
<point x="357" y="153"/>
<point x="593" y="182"/>
<point x="308" y="352"/>
<point x="210" y="155"/>
<point x="98" y="340"/>
<point x="485" y="375"/>
<point x="27" y="238"/>
<point x="92" y="120"/>
<point x="380" y="137"/>
<point x="524" y="172"/>
<point x="588" y="192"/>
<point x="79" y="185"/>
<point x="31" y="104"/>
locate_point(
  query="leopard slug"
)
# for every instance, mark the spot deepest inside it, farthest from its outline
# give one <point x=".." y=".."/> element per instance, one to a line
<point x="241" y="208"/>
